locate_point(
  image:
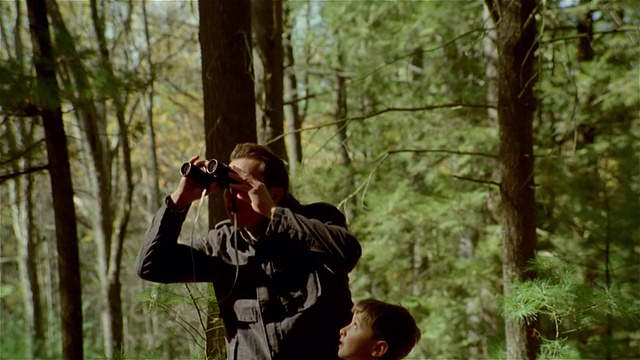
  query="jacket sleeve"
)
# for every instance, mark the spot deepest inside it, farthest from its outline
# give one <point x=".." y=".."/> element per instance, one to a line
<point x="162" y="259"/>
<point x="321" y="229"/>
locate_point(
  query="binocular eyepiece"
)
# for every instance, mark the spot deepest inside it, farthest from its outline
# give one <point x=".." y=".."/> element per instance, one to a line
<point x="215" y="171"/>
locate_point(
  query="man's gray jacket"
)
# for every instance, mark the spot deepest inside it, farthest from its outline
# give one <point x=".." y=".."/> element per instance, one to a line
<point x="285" y="296"/>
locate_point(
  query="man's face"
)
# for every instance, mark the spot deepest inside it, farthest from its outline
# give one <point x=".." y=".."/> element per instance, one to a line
<point x="246" y="216"/>
<point x="356" y="340"/>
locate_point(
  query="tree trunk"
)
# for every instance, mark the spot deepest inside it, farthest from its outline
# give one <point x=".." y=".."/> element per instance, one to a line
<point x="61" y="186"/>
<point x="229" y="107"/>
<point x="341" y="113"/>
<point x="112" y="316"/>
<point x="98" y="162"/>
<point x="516" y="43"/>
<point x="585" y="31"/>
<point x="155" y="187"/>
<point x="266" y="28"/>
<point x="154" y="335"/>
<point x="21" y="194"/>
<point x="491" y="71"/>
<point x="21" y="137"/>
<point x="293" y="121"/>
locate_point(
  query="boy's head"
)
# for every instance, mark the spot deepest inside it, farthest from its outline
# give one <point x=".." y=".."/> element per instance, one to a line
<point x="378" y="330"/>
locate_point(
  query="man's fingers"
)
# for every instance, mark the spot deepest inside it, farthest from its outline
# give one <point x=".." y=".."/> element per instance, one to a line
<point x="241" y="187"/>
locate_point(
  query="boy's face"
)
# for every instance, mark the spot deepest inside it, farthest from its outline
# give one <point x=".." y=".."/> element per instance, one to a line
<point x="356" y="340"/>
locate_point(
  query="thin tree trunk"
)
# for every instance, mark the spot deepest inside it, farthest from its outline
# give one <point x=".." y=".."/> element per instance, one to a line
<point x="49" y="284"/>
<point x="293" y="121"/>
<point x="229" y="106"/>
<point x="491" y="71"/>
<point x="341" y="113"/>
<point x="585" y="32"/>
<point x="113" y="317"/>
<point x="21" y="137"/>
<point x="266" y="27"/>
<point x="155" y="177"/>
<point x="61" y="185"/>
<point x="475" y="305"/>
<point x="516" y="41"/>
<point x="154" y="335"/>
<point x="21" y="194"/>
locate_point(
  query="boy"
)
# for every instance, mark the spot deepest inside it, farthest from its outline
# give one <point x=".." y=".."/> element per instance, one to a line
<point x="380" y="331"/>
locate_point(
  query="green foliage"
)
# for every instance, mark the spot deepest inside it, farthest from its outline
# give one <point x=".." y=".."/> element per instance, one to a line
<point x="566" y="307"/>
<point x="12" y="341"/>
<point x="418" y="183"/>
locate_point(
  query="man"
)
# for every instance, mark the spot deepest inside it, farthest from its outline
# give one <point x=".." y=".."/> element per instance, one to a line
<point x="279" y="269"/>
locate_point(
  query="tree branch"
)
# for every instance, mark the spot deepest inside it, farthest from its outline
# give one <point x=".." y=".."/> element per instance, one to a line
<point x="444" y="151"/>
<point x="454" y="106"/>
<point x="30" y="170"/>
<point x="487" y="182"/>
<point x="32" y="147"/>
<point x="364" y="186"/>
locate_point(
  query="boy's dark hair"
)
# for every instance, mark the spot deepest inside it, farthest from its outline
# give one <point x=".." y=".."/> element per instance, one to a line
<point x="391" y="323"/>
<point x="273" y="169"/>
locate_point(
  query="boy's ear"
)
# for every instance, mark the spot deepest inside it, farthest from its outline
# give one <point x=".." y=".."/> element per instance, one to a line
<point x="276" y="194"/>
<point x="379" y="349"/>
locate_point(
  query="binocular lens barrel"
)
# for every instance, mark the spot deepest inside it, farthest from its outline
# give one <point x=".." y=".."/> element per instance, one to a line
<point x="196" y="173"/>
<point x="214" y="171"/>
<point x="212" y="166"/>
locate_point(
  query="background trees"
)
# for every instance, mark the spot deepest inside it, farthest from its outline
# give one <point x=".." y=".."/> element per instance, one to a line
<point x="392" y="108"/>
<point x="47" y="99"/>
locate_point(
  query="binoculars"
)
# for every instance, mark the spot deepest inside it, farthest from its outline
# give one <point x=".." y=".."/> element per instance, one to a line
<point x="215" y="171"/>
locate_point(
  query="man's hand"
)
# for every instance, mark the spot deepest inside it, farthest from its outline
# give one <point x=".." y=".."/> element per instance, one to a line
<point x="256" y="192"/>
<point x="190" y="190"/>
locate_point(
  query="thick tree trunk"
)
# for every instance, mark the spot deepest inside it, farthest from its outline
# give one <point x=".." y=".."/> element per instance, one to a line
<point x="266" y="28"/>
<point x="229" y="107"/>
<point x="516" y="43"/>
<point x="98" y="163"/>
<point x="61" y="186"/>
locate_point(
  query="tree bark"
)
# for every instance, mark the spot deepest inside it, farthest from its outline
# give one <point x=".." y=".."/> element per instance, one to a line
<point x="292" y="119"/>
<point x="229" y="107"/>
<point x="99" y="175"/>
<point x="516" y="44"/>
<point x="61" y="185"/>
<point x="266" y="28"/>
<point x="155" y="187"/>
